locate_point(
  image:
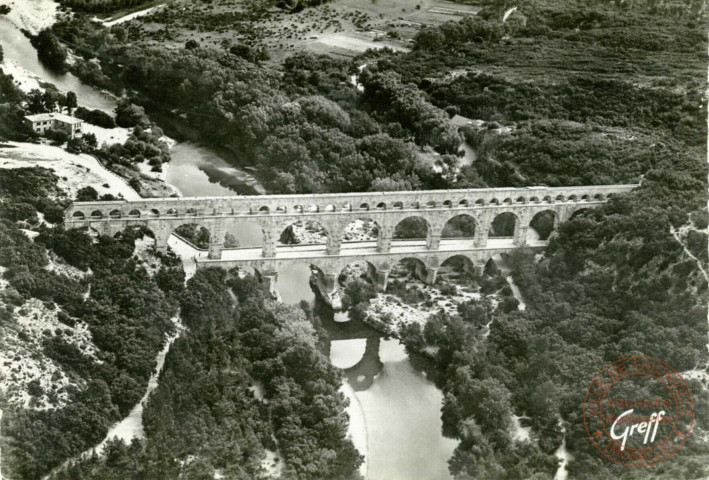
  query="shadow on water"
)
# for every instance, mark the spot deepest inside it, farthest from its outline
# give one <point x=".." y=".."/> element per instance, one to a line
<point x="200" y="171"/>
<point x="362" y="374"/>
<point x="230" y="178"/>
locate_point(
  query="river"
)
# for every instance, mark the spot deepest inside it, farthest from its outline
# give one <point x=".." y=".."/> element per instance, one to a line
<point x="194" y="170"/>
<point x="394" y="411"/>
<point x="18" y="52"/>
<point x="395" y="419"/>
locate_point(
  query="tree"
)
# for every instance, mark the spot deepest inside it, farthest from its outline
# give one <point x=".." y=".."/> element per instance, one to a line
<point x="49" y="50"/>
<point x="130" y="115"/>
<point x="35" y="104"/>
<point x="58" y="136"/>
<point x="71" y="101"/>
<point x="87" y="194"/>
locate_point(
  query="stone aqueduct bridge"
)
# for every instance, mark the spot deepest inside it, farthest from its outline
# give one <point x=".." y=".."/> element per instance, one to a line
<point x="274" y="213"/>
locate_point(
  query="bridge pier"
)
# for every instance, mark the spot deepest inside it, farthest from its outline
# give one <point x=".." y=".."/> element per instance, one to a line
<point x="326" y="283"/>
<point x="384" y="242"/>
<point x="215" y="250"/>
<point x="380" y="280"/>
<point x="520" y="237"/>
<point x="431" y="274"/>
<point x="162" y="235"/>
<point x="482" y="231"/>
<point x="334" y="245"/>
<point x="269" y="280"/>
<point x="270" y="236"/>
<point x="479" y="268"/>
<point x="433" y="242"/>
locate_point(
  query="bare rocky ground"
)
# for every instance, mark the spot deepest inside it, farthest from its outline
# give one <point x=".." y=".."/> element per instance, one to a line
<point x="29" y="378"/>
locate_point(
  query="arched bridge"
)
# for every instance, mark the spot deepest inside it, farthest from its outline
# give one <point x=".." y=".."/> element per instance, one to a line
<point x="273" y="214"/>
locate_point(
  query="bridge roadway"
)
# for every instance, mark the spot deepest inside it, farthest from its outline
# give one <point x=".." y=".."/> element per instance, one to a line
<point x="273" y="214"/>
<point x="330" y="267"/>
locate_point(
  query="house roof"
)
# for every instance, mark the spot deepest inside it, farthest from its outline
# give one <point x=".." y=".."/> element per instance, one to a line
<point x="42" y="117"/>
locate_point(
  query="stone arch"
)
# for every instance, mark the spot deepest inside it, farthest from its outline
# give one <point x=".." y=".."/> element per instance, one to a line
<point x="264" y="210"/>
<point x="303" y="232"/>
<point x="560" y="198"/>
<point x="153" y="212"/>
<point x="586" y="198"/>
<point x="381" y="206"/>
<point x="115" y="214"/>
<point x="599" y="197"/>
<point x="480" y="202"/>
<point x="193" y="233"/>
<point x="281" y="209"/>
<point x="78" y="215"/>
<point x="573" y="198"/>
<point x="361" y="229"/>
<point x="580" y="211"/>
<point x="456" y="266"/>
<point x="347" y="207"/>
<point x="191" y="212"/>
<point x="521" y="200"/>
<point x="463" y="203"/>
<point x="448" y="204"/>
<point x="171" y="212"/>
<point x="96" y="214"/>
<point x="360" y="269"/>
<point x="415" y="205"/>
<point x="135" y="213"/>
<point x="241" y="233"/>
<point x="412" y="228"/>
<point x="460" y="226"/>
<point x="314" y="208"/>
<point x="491" y="267"/>
<point x="330" y="208"/>
<point x="364" y="206"/>
<point x="431" y="204"/>
<point x="398" y="205"/>
<point x="547" y="199"/>
<point x="507" y="201"/>
<point x="542" y="225"/>
<point x="405" y="268"/>
<point x="298" y="209"/>
<point x="494" y="201"/>
<point x="292" y="275"/>
<point x="504" y="225"/>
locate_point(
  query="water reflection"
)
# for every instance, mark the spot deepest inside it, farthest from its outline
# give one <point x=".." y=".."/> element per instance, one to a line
<point x="352" y="346"/>
<point x="197" y="171"/>
<point x="394" y="410"/>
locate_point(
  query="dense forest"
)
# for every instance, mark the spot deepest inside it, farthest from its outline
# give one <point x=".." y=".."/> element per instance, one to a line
<point x="246" y="378"/>
<point x="233" y="348"/>
<point x="300" y="140"/>
<point x="127" y="312"/>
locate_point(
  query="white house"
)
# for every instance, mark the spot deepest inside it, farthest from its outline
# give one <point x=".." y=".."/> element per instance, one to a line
<point x="42" y="122"/>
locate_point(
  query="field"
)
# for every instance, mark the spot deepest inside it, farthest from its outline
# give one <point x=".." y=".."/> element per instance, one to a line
<point x="342" y="27"/>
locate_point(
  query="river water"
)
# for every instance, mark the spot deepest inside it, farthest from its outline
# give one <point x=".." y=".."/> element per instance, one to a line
<point x="18" y="51"/>
<point x="194" y="170"/>
<point x="394" y="411"/>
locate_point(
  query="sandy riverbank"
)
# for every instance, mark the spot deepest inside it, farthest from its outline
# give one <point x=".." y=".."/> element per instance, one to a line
<point x="32" y="15"/>
<point x="74" y="171"/>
